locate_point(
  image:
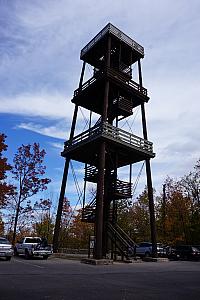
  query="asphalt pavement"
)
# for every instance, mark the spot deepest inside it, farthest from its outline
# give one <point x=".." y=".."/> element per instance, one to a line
<point x="61" y="279"/>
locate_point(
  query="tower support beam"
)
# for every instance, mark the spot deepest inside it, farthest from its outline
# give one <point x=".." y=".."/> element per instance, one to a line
<point x="101" y="175"/>
<point x="148" y="173"/>
<point x="65" y="175"/>
<point x="99" y="204"/>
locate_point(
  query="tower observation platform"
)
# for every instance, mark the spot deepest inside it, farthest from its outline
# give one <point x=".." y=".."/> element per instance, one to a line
<point x="105" y="146"/>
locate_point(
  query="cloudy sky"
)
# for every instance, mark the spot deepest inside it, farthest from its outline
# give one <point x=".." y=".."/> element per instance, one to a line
<point x="40" y="43"/>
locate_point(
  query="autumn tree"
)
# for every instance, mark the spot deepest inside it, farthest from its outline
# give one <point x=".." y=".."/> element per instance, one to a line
<point x="79" y="232"/>
<point x="28" y="172"/>
<point x="191" y="185"/>
<point x="5" y="189"/>
<point x="174" y="214"/>
<point x="191" y="189"/>
<point x="134" y="219"/>
<point x="43" y="225"/>
<point x="1" y="225"/>
<point x="66" y="219"/>
<point x="140" y="217"/>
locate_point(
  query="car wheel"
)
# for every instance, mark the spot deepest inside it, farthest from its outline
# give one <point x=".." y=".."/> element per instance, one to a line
<point x="27" y="256"/>
<point x="15" y="252"/>
<point x="8" y="258"/>
<point x="45" y="256"/>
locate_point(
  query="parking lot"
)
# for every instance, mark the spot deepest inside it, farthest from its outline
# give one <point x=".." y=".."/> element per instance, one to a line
<point x="69" y="279"/>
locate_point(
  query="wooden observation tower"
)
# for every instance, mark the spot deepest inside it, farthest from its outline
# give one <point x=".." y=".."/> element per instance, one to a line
<point x="105" y="147"/>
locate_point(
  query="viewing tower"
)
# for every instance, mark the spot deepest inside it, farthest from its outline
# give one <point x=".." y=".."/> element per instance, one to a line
<point x="105" y="147"/>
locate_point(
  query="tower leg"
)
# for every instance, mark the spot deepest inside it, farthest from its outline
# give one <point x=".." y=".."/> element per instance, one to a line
<point x="65" y="174"/>
<point x="99" y="204"/>
<point x="60" y="206"/>
<point x="149" y="179"/>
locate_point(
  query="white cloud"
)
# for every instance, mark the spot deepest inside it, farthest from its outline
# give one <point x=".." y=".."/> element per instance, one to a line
<point x="53" y="106"/>
<point x="52" y="131"/>
<point x="57" y="146"/>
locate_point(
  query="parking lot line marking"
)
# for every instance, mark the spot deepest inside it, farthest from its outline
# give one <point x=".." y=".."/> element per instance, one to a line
<point x="26" y="263"/>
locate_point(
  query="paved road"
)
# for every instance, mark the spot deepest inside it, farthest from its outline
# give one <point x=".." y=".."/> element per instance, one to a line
<point x="61" y="279"/>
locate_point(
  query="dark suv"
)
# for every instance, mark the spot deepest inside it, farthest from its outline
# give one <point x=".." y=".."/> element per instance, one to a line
<point x="186" y="252"/>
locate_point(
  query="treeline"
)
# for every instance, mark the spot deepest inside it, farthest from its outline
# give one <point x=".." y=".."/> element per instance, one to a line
<point x="177" y="212"/>
<point x="177" y="208"/>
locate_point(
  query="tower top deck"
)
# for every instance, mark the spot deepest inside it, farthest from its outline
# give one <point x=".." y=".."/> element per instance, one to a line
<point x="97" y="44"/>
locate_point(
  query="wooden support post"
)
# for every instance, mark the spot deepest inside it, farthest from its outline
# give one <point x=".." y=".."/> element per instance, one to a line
<point x="65" y="175"/>
<point x="99" y="204"/>
<point x="99" y="224"/>
<point x="149" y="178"/>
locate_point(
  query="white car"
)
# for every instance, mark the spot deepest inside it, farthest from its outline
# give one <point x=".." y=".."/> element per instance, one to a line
<point x="6" y="249"/>
<point x="33" y="246"/>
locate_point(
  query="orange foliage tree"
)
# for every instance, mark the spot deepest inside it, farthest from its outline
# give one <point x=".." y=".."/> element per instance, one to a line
<point x="80" y="232"/>
<point x="43" y="219"/>
<point x="5" y="189"/>
<point x="28" y="172"/>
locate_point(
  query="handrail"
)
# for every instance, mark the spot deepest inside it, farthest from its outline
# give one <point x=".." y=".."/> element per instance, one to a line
<point x="121" y="243"/>
<point x="114" y="73"/>
<point x="122" y="232"/>
<point x="117" y="134"/>
<point x="109" y="28"/>
<point x="126" y="137"/>
<point x="117" y="234"/>
<point x="123" y="187"/>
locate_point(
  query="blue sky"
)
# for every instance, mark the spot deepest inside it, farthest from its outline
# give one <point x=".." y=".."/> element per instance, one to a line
<point x="40" y="43"/>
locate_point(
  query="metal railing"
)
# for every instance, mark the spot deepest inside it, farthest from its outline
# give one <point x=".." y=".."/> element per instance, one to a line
<point x="109" y="28"/>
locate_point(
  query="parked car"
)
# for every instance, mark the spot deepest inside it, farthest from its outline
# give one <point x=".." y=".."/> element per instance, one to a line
<point x="171" y="253"/>
<point x="184" y="252"/>
<point x="144" y="249"/>
<point x="33" y="246"/>
<point x="6" y="249"/>
<point x="161" y="250"/>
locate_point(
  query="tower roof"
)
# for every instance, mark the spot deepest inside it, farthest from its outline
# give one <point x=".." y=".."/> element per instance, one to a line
<point x="118" y="34"/>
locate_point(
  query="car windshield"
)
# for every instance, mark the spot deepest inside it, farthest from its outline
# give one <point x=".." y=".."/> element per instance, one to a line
<point x="4" y="241"/>
<point x="145" y="244"/>
<point x="195" y="249"/>
<point x="33" y="240"/>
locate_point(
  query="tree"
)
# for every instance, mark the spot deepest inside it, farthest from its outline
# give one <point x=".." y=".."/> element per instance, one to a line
<point x="28" y="171"/>
<point x="191" y="189"/>
<point x="44" y="221"/>
<point x="5" y="189"/>
<point x="1" y="226"/>
<point x="66" y="219"/>
<point x="140" y="217"/>
<point x="173" y="214"/>
<point x="79" y="232"/>
<point x="134" y="220"/>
